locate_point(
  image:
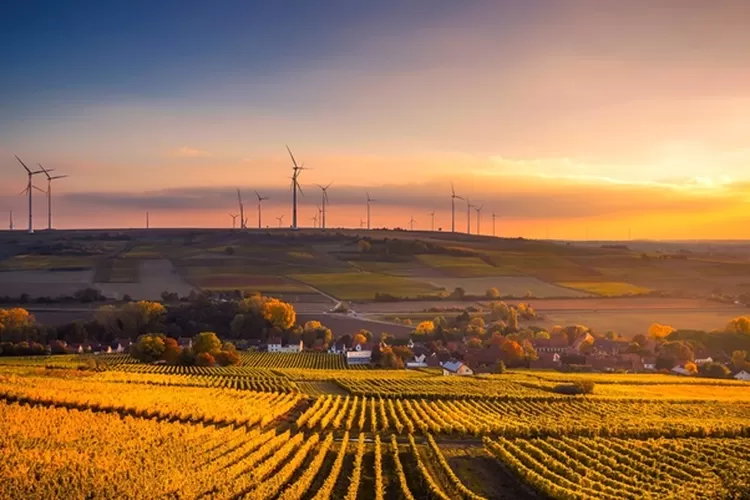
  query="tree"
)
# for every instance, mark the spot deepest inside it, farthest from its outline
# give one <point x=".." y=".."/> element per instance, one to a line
<point x="403" y="352"/>
<point x="226" y="358"/>
<point x="206" y="342"/>
<point x="474" y="343"/>
<point x="529" y="353"/>
<point x="148" y="348"/>
<point x="492" y="293"/>
<point x="513" y="321"/>
<point x="425" y="328"/>
<point x="641" y="340"/>
<point x="171" y="352"/>
<point x="500" y="368"/>
<point x="459" y="293"/>
<point x="610" y="335"/>
<point x="714" y="370"/>
<point x="738" y="325"/>
<point x="514" y="350"/>
<point x="679" y="351"/>
<point x="389" y="359"/>
<point x="16" y="317"/>
<point x="691" y="368"/>
<point x="358" y="339"/>
<point x="364" y="246"/>
<point x="279" y="314"/>
<point x="205" y="359"/>
<point x="657" y="331"/>
<point x="499" y="311"/>
<point x="739" y="361"/>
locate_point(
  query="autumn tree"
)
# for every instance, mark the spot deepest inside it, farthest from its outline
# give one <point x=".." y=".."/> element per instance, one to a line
<point x="499" y="311"/>
<point x="739" y="361"/>
<point x="514" y="350"/>
<point x="205" y="359"/>
<point x="513" y="320"/>
<point x="714" y="370"/>
<point x="691" y="368"/>
<point x="279" y="314"/>
<point x="148" y="348"/>
<point x="172" y="351"/>
<point x="315" y="334"/>
<point x="389" y="359"/>
<point x="474" y="343"/>
<point x="132" y="319"/>
<point x="358" y="339"/>
<point x="227" y="357"/>
<point x="492" y="293"/>
<point x="206" y="342"/>
<point x="738" y="325"/>
<point x="658" y="332"/>
<point x="425" y="328"/>
<point x="16" y="317"/>
<point x="403" y="352"/>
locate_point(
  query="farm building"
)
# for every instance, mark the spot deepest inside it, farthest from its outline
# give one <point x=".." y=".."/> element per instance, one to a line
<point x="275" y="345"/>
<point x="360" y="354"/>
<point x="452" y="368"/>
<point x="743" y="375"/>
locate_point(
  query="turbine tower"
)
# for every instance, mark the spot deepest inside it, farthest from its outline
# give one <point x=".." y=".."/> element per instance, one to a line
<point x="432" y="221"/>
<point x="493" y="223"/>
<point x="314" y="218"/>
<point x="261" y="199"/>
<point x="50" y="178"/>
<point x="296" y="169"/>
<point x="243" y="220"/>
<point x="369" y="201"/>
<point x="454" y="197"/>
<point x="11" y="220"/>
<point x="147" y="221"/>
<point x="28" y="190"/>
<point x="469" y="206"/>
<point x="361" y="222"/>
<point x="234" y="220"/>
<point x="324" y="197"/>
<point x="411" y="224"/>
<point x="280" y="219"/>
<point x="479" y="215"/>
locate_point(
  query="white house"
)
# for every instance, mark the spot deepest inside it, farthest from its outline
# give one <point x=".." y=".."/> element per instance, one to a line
<point x="275" y="345"/>
<point x="680" y="370"/>
<point x="703" y="361"/>
<point x="743" y="375"/>
<point x="419" y="361"/>
<point x="456" y="368"/>
<point x="119" y="348"/>
<point x="359" y="355"/>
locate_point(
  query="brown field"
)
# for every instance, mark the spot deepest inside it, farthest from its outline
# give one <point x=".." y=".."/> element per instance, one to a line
<point x="517" y="286"/>
<point x="43" y="283"/>
<point x="156" y="276"/>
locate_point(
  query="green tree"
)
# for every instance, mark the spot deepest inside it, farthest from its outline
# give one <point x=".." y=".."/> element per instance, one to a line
<point x="513" y="321"/>
<point x="206" y="342"/>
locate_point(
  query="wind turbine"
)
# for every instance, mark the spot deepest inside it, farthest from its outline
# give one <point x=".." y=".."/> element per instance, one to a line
<point x="315" y="220"/>
<point x="28" y="190"/>
<point x="147" y="221"/>
<point x="361" y="222"/>
<point x="493" y="223"/>
<point x="369" y="200"/>
<point x="234" y="220"/>
<point x="324" y="197"/>
<point x="469" y="206"/>
<point x="320" y="213"/>
<point x="11" y="219"/>
<point x="242" y="210"/>
<point x="49" y="193"/>
<point x="454" y="197"/>
<point x="479" y="215"/>
<point x="432" y="220"/>
<point x="411" y="224"/>
<point x="261" y="199"/>
<point x="296" y="169"/>
<point x="280" y="219"/>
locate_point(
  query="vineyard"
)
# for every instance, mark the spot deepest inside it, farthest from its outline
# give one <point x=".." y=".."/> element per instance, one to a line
<point x="286" y="432"/>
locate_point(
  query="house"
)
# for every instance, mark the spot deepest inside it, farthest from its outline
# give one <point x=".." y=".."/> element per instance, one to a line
<point x="418" y="361"/>
<point x="76" y="348"/>
<point x="554" y="344"/>
<point x="359" y="355"/>
<point x="649" y="363"/>
<point x="275" y="345"/>
<point x="453" y="368"/>
<point x="185" y="342"/>
<point x="703" y="361"/>
<point x="546" y="360"/>
<point x="743" y="375"/>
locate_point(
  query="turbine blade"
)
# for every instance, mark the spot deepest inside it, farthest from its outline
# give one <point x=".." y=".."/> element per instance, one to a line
<point x="22" y="163"/>
<point x="45" y="172"/>
<point x="39" y="189"/>
<point x="57" y="177"/>
<point x="292" y="156"/>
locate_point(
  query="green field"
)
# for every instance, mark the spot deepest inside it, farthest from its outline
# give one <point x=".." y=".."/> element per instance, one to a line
<point x="364" y="286"/>
<point x="606" y="288"/>
<point x="466" y="267"/>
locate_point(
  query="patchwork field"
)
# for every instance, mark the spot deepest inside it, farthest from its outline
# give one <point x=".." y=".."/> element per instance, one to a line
<point x="517" y="286"/>
<point x="364" y="286"/>
<point x="156" y="276"/>
<point x="43" y="283"/>
<point x="606" y="288"/>
<point x="465" y="267"/>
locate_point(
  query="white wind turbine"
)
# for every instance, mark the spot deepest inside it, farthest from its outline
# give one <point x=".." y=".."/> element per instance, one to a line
<point x="261" y="199"/>
<point x="411" y="224"/>
<point x="369" y="201"/>
<point x="28" y="190"/>
<point x="296" y="170"/>
<point x="11" y="220"/>
<point x="50" y="178"/>
<point x="314" y="218"/>
<point x="493" y="223"/>
<point x="324" y="200"/>
<point x="280" y="219"/>
<point x="243" y="220"/>
<point x="432" y="221"/>
<point x="469" y="206"/>
<point x="361" y="222"/>
<point x="234" y="220"/>
<point x="454" y="197"/>
<point x="479" y="215"/>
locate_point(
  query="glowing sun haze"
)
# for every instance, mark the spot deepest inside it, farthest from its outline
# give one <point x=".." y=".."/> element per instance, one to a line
<point x="564" y="118"/>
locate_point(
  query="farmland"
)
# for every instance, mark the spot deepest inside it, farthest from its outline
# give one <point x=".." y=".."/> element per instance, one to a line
<point x="267" y="430"/>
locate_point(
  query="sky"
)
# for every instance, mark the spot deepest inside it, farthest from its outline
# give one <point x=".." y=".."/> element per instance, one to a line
<point x="566" y="119"/>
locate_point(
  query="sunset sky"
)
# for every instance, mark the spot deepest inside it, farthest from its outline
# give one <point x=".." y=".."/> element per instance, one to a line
<point x="564" y="118"/>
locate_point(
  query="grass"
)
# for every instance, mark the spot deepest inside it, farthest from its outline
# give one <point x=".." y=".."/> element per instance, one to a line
<point x="364" y="286"/>
<point x="47" y="262"/>
<point x="606" y="288"/>
<point x="249" y="283"/>
<point x="466" y="267"/>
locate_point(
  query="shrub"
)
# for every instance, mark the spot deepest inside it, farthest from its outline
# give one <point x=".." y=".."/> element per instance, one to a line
<point x="205" y="359"/>
<point x="579" y="387"/>
<point x="226" y="358"/>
